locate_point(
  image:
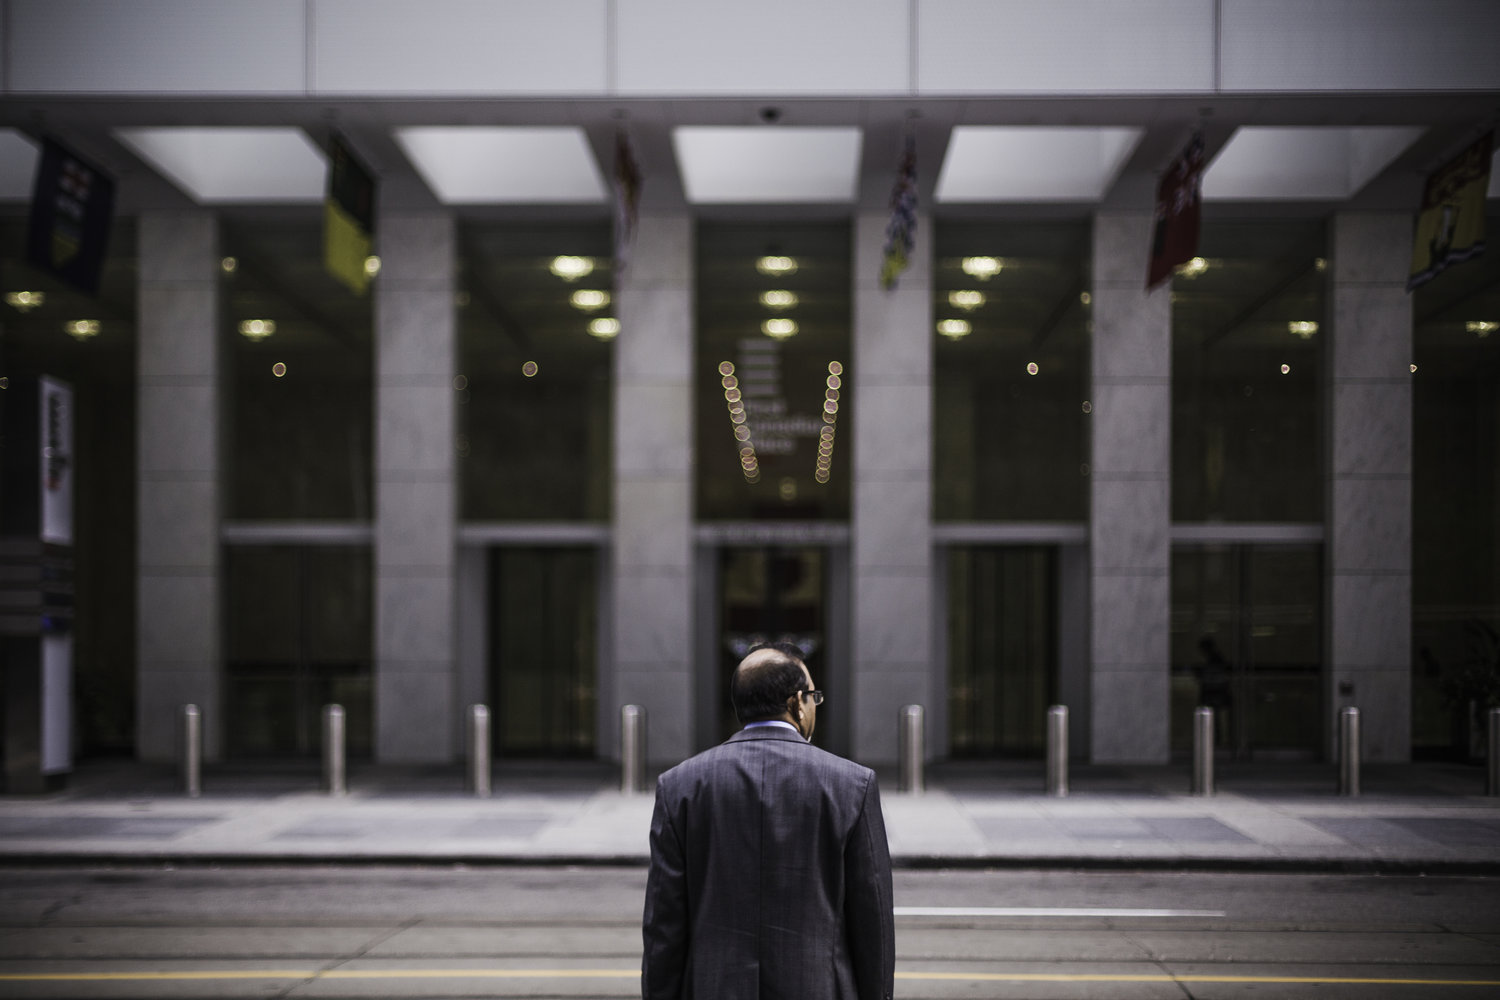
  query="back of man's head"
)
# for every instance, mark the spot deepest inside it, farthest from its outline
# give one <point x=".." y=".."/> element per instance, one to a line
<point x="764" y="680"/>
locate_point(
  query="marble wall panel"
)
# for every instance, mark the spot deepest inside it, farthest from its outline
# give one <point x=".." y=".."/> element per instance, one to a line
<point x="878" y="698"/>
<point x="415" y="528"/>
<point x="1128" y="709"/>
<point x="405" y="352"/>
<point x="172" y="247"/>
<point x="1372" y="432"/>
<point x="653" y="431"/>
<point x="657" y="513"/>
<point x="413" y="619"/>
<point x="1132" y="429"/>
<point x="1372" y="332"/>
<point x="1371" y="531"/>
<point x="654" y="325"/>
<point x="177" y="430"/>
<point x="161" y="692"/>
<point x="1370" y="617"/>
<point x="892" y="430"/>
<point x="1130" y="618"/>
<point x="184" y="526"/>
<point x="887" y="515"/>
<point x="1125" y="538"/>
<point x="416" y="247"/>
<point x="1363" y="242"/>
<point x="179" y="334"/>
<point x="414" y="709"/>
<point x="414" y="431"/>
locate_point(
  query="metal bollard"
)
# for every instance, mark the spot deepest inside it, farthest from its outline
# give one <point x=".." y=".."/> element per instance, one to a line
<point x="1057" y="751"/>
<point x="479" y="750"/>
<point x="1349" y="752"/>
<point x="912" y="740"/>
<point x="192" y="751"/>
<point x="333" y="750"/>
<point x="1203" y="751"/>
<point x="1492" y="783"/>
<point x="632" y="749"/>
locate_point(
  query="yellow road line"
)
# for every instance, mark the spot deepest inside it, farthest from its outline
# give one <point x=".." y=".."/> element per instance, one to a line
<point x="987" y="977"/>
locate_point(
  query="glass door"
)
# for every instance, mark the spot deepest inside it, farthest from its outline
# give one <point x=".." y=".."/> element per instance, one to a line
<point x="1002" y="648"/>
<point x="544" y="623"/>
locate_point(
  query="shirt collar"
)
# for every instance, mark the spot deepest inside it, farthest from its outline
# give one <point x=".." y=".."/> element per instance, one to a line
<point x="773" y="722"/>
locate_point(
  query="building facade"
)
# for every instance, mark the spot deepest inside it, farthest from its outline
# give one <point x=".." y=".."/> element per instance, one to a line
<point x="553" y="471"/>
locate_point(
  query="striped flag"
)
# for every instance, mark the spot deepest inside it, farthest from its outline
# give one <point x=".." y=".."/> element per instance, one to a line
<point x="901" y="231"/>
<point x="627" y="181"/>
<point x="348" y="219"/>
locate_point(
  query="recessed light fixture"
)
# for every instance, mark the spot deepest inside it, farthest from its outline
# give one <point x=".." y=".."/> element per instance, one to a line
<point x="776" y="265"/>
<point x="228" y="265"/>
<point x="572" y="268"/>
<point x="1320" y="264"/>
<point x="1192" y="268"/>
<point x="278" y="369"/>
<point x="25" y="301"/>
<point x="1286" y="369"/>
<point x="257" y="329"/>
<point x="779" y="328"/>
<point x="778" y="298"/>
<point x="967" y="300"/>
<point x="605" y="327"/>
<point x="589" y="299"/>
<point x="1031" y="368"/>
<point x="1303" y="328"/>
<point x="954" y="329"/>
<point x="1482" y="327"/>
<point x="81" y="329"/>
<point x="983" y="268"/>
<point x="372" y="265"/>
<point x="529" y="369"/>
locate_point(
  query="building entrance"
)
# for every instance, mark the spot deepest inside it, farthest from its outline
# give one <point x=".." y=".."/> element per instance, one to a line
<point x="1247" y="641"/>
<point x="1002" y="636"/>
<point x="543" y="642"/>
<point x="773" y="593"/>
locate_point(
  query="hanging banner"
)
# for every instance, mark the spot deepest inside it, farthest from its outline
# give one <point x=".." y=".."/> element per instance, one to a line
<point x="348" y="219"/>
<point x="627" y="183"/>
<point x="1450" y="228"/>
<point x="72" y="204"/>
<point x="1179" y="197"/>
<point x="901" y="231"/>
<point x="55" y="444"/>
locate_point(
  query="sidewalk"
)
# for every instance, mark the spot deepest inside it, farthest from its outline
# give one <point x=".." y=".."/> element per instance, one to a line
<point x="1414" y="817"/>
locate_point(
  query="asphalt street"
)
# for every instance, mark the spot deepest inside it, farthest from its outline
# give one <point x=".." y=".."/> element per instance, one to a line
<point x="455" y="931"/>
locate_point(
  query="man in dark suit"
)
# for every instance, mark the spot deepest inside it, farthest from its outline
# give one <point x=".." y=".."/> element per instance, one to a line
<point x="770" y="872"/>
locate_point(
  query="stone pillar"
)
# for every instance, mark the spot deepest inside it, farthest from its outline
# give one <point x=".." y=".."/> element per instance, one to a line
<point x="1368" y="554"/>
<point x="1130" y="497"/>
<point x="652" y="552"/>
<point x="892" y="565"/>
<point x="178" y="629"/>
<point x="415" y="698"/>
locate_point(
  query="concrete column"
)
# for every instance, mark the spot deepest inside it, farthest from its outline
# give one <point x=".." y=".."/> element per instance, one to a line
<point x="178" y="644"/>
<point x="1130" y="497"/>
<point x="416" y="709"/>
<point x="1369" y="480"/>
<point x="892" y="566"/>
<point x="652" y="553"/>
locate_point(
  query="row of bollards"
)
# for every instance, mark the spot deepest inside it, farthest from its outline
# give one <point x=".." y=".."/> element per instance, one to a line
<point x="911" y="750"/>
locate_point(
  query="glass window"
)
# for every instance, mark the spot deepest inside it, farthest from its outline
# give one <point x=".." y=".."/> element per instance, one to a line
<point x="299" y="374"/>
<point x="1456" y="506"/>
<point x="1011" y="371"/>
<point x="1247" y="642"/>
<point x="1246" y="363"/>
<point x="98" y="360"/>
<point x="536" y="324"/>
<point x="771" y="389"/>
<point x="297" y="637"/>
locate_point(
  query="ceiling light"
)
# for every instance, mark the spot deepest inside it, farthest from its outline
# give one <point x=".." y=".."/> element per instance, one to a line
<point x="966" y="300"/>
<point x="228" y="264"/>
<point x="1286" y="369"/>
<point x="529" y="369"/>
<point x="954" y="329"/>
<point x="1032" y="369"/>
<point x="605" y="327"/>
<point x="983" y="268"/>
<point x="589" y="299"/>
<point x="779" y="328"/>
<point x="1483" y="327"/>
<point x="778" y="299"/>
<point x="1303" y="328"/>
<point x="1084" y="298"/>
<point x="25" y="301"/>
<point x="372" y="265"/>
<point x="1192" y="268"/>
<point x="777" y="266"/>
<point x="257" y="329"/>
<point x="572" y="268"/>
<point x="1320" y="264"/>
<point x="278" y="369"/>
<point x="82" y="329"/>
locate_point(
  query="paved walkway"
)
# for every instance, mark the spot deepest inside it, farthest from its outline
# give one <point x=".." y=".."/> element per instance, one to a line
<point x="1419" y="817"/>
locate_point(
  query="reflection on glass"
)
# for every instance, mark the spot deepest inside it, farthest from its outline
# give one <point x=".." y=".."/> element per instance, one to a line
<point x="1247" y="642"/>
<point x="536" y="414"/>
<point x="1009" y="437"/>
<point x="1245" y="432"/>
<point x="780" y="396"/>
<point x="1455" y="507"/>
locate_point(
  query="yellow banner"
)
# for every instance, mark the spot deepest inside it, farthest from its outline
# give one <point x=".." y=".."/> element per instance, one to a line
<point x="345" y="247"/>
<point x="1450" y="228"/>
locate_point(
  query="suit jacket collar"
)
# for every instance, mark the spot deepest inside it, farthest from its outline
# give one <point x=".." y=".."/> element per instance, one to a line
<point x="766" y="733"/>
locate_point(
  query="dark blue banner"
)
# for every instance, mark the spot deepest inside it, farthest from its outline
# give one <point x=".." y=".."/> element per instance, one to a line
<point x="72" y="205"/>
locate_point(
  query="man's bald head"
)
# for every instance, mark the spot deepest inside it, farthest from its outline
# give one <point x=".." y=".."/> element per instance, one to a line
<point x="764" y="680"/>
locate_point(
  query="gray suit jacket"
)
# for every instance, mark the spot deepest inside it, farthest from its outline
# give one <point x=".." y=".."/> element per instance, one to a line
<point x="770" y="877"/>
